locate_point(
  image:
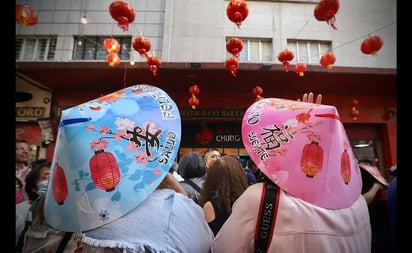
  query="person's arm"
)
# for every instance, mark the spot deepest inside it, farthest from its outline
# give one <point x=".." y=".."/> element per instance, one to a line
<point x="171" y="182"/>
<point x="370" y="195"/>
<point x="209" y="211"/>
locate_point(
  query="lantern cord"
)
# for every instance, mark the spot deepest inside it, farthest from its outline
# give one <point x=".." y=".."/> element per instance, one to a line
<point x="307" y="22"/>
<point x="125" y="75"/>
<point x="359" y="38"/>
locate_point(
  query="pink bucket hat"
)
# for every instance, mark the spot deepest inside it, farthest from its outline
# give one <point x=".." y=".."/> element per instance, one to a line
<point x="304" y="149"/>
<point x="111" y="154"/>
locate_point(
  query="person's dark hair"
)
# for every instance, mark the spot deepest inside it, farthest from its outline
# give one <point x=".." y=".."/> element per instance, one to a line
<point x="250" y="163"/>
<point x="225" y="181"/>
<point x="367" y="161"/>
<point x="38" y="162"/>
<point x="191" y="165"/>
<point x="32" y="178"/>
<point x="31" y="184"/>
<point x="22" y="141"/>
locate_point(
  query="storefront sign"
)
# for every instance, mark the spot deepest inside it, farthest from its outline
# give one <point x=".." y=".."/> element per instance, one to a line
<point x="218" y="135"/>
<point x="212" y="113"/>
<point x="38" y="104"/>
<point x="31" y="112"/>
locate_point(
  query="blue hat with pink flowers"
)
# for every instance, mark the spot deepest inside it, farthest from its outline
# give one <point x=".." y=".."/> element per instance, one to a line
<point x="111" y="153"/>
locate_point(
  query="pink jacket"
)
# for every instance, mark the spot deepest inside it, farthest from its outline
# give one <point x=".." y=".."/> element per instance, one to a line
<point x="299" y="227"/>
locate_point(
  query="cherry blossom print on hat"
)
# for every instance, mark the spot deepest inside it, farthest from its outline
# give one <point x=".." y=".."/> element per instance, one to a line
<point x="111" y="153"/>
<point x="304" y="149"/>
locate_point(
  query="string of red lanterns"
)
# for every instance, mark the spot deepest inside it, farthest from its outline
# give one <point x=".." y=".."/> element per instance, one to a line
<point x="112" y="47"/>
<point x="194" y="90"/>
<point x="354" y="113"/>
<point x="143" y="45"/>
<point x="233" y="46"/>
<point x="236" y="11"/>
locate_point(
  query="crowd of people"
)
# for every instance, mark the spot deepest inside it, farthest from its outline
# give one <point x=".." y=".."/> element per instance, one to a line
<point x="211" y="202"/>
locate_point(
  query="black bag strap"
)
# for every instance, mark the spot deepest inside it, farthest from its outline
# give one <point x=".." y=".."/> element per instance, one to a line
<point x="191" y="183"/>
<point x="267" y="216"/>
<point x="64" y="242"/>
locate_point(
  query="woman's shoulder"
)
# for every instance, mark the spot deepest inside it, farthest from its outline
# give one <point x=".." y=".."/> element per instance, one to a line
<point x="251" y="196"/>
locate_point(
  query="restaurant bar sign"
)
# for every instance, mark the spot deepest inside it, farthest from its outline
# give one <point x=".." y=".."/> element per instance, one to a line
<point x="37" y="105"/>
<point x="218" y="135"/>
<point x="212" y="113"/>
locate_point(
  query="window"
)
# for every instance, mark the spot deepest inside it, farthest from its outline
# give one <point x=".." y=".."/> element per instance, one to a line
<point x="35" y="48"/>
<point x="91" y="48"/>
<point x="255" y="50"/>
<point x="307" y="51"/>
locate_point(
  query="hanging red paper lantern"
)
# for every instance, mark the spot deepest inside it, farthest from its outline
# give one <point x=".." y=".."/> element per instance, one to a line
<point x="104" y="170"/>
<point x="327" y="60"/>
<point x="312" y="159"/>
<point x="194" y="89"/>
<point x="371" y="45"/>
<point x="142" y="45"/>
<point x="232" y="64"/>
<point x="193" y="101"/>
<point x="300" y="68"/>
<point x="237" y="11"/>
<point x="326" y="10"/>
<point x="285" y="56"/>
<point x="59" y="185"/>
<point x="111" y="45"/>
<point x="25" y="15"/>
<point x="345" y="166"/>
<point x="354" y="111"/>
<point x="258" y="91"/>
<point x="123" y="13"/>
<point x="113" y="59"/>
<point x="154" y="63"/>
<point x="234" y="46"/>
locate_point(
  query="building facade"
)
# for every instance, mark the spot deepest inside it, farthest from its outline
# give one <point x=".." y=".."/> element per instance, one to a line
<point x="63" y="56"/>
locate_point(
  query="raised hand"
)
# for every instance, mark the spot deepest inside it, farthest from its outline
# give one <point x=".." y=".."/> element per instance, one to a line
<point x="308" y="98"/>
